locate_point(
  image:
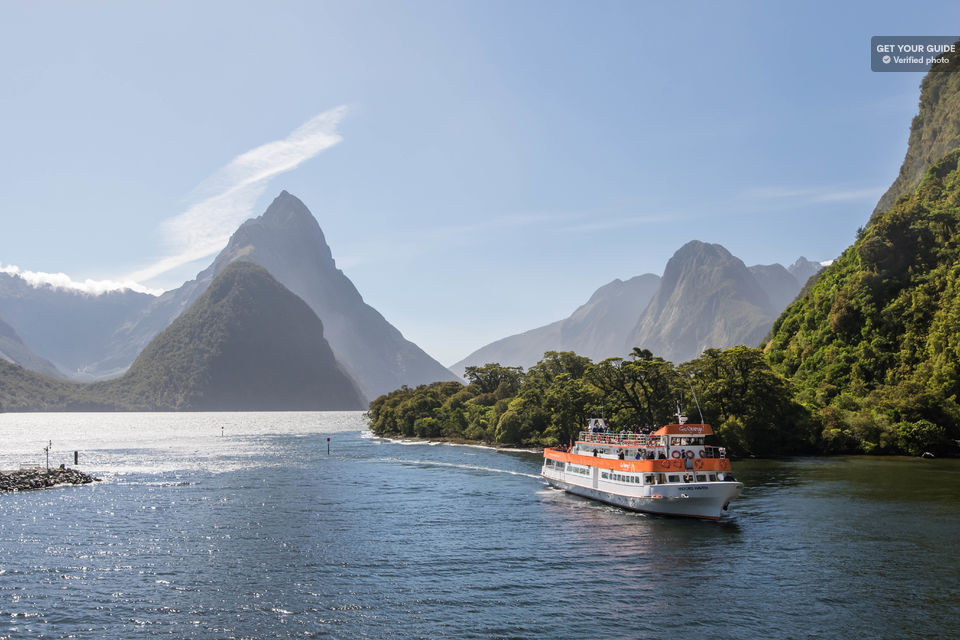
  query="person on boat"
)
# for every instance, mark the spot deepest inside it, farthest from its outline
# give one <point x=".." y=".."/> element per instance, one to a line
<point x="637" y="457"/>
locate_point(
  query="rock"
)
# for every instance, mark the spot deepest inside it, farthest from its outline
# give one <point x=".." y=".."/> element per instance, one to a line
<point x="27" y="479"/>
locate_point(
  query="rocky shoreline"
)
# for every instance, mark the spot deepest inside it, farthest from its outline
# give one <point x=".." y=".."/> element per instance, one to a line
<point x="38" y="478"/>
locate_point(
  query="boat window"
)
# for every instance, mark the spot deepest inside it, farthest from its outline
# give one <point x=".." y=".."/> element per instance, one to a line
<point x="605" y="475"/>
<point x="713" y="476"/>
<point x="649" y="479"/>
<point x="701" y="478"/>
<point x="673" y="478"/>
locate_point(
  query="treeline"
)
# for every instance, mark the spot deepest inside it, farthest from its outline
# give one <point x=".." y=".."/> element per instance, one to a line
<point x="751" y="407"/>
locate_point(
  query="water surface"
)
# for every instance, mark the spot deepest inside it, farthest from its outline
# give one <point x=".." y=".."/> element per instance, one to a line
<point x="259" y="533"/>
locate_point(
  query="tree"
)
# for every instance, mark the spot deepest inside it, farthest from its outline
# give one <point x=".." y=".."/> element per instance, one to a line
<point x="492" y="377"/>
<point x="638" y="391"/>
<point x="744" y="397"/>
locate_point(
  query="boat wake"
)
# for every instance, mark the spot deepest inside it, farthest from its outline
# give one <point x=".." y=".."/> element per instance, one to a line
<point x="468" y="467"/>
<point x="370" y="435"/>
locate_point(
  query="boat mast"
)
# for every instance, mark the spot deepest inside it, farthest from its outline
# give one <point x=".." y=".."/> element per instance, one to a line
<point x="693" y="391"/>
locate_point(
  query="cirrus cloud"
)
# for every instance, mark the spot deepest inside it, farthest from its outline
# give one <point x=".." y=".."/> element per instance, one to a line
<point x="226" y="198"/>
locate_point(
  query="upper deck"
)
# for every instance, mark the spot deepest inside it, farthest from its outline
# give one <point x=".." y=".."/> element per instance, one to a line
<point x="671" y="435"/>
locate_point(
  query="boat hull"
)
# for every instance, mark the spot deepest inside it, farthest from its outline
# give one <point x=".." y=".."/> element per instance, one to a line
<point x="692" y="501"/>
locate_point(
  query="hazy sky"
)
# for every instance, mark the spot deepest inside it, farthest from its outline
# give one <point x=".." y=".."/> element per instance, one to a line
<point x="478" y="168"/>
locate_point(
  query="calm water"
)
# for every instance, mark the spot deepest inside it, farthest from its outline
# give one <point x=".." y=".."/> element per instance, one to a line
<point x="258" y="533"/>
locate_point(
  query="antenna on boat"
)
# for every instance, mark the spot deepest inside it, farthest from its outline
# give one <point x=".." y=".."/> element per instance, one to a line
<point x="693" y="391"/>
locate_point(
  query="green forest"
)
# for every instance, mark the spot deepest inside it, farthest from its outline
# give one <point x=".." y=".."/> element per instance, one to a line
<point x="866" y="360"/>
<point x="873" y="347"/>
<point x="736" y="390"/>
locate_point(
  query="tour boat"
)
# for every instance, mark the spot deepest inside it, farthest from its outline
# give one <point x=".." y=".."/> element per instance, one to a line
<point x="670" y="471"/>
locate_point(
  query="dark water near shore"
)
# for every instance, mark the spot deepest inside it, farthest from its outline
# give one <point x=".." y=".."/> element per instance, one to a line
<point x="260" y="534"/>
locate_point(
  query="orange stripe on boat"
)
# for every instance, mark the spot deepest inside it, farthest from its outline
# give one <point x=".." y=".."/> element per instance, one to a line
<point x="636" y="466"/>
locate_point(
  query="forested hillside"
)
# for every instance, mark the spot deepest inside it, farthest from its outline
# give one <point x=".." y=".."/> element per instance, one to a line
<point x="873" y="347"/>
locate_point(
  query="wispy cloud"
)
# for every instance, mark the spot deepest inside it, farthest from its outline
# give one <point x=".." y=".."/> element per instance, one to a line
<point x="225" y="199"/>
<point x="63" y="281"/>
<point x="813" y="195"/>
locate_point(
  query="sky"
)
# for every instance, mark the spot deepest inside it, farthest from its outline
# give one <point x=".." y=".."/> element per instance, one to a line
<point x="478" y="168"/>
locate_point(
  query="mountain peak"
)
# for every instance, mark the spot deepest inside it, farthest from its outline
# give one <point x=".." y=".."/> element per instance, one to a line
<point x="286" y="226"/>
<point x="288" y="209"/>
<point x="804" y="269"/>
<point x="703" y="250"/>
<point x="706" y="298"/>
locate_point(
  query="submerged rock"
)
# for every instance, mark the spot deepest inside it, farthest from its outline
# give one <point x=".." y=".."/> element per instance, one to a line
<point x="38" y="478"/>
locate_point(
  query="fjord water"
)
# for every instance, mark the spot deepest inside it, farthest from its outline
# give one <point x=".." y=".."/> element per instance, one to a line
<point x="258" y="533"/>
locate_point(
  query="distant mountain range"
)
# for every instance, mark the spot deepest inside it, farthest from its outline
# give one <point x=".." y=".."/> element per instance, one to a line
<point x="706" y="298"/>
<point x="70" y="328"/>
<point x="246" y="344"/>
<point x="596" y="329"/>
<point x="97" y="337"/>
<point x="12" y="349"/>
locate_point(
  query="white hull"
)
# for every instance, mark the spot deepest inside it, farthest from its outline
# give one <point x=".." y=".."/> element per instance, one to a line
<point x="698" y="500"/>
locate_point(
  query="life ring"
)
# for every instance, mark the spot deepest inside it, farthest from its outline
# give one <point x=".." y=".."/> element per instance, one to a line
<point x="676" y="454"/>
<point x="700" y="453"/>
<point x="690" y="454"/>
<point x="698" y="464"/>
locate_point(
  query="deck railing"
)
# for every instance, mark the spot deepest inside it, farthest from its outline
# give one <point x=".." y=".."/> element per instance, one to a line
<point x="627" y="438"/>
<point x="624" y="437"/>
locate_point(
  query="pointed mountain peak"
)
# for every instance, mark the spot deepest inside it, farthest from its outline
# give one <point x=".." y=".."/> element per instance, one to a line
<point x="803" y="269"/>
<point x="287" y="209"/>
<point x="286" y="227"/>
